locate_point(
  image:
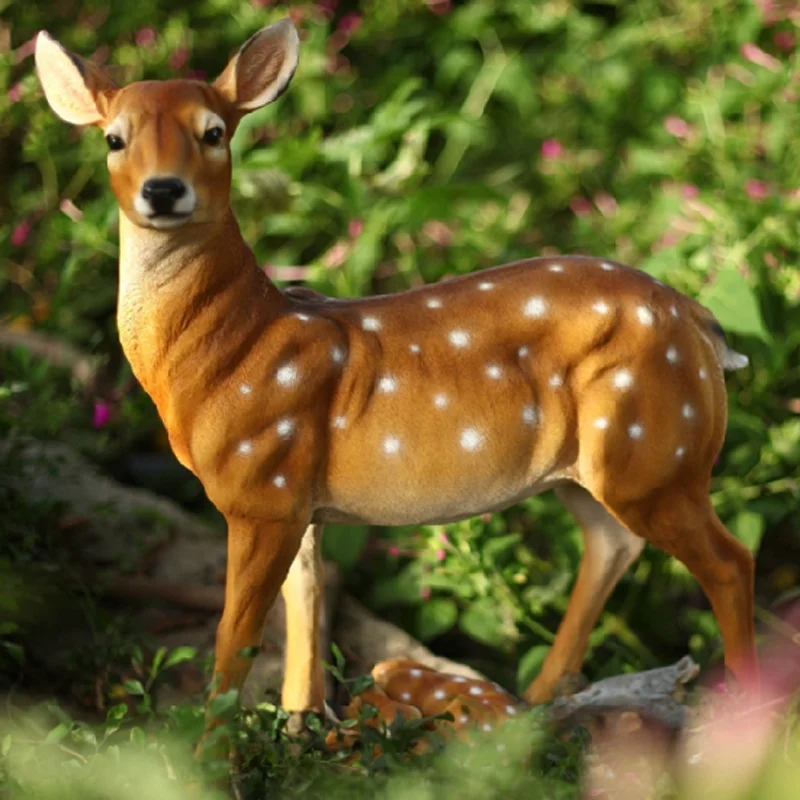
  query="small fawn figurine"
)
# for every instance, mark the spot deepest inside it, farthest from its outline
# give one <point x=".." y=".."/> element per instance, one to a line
<point x="569" y="373"/>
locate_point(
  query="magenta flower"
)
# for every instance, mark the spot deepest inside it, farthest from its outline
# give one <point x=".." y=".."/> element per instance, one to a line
<point x="441" y="555"/>
<point x="102" y="414"/>
<point x="439" y="7"/>
<point x="425" y="593"/>
<point x="689" y="191"/>
<point x="551" y="149"/>
<point x="580" y="206"/>
<point x="784" y="40"/>
<point x="15" y="92"/>
<point x="444" y="538"/>
<point x="756" y="190"/>
<point x="394" y="550"/>
<point x="178" y="58"/>
<point x="350" y="23"/>
<point x="677" y="127"/>
<point x="355" y="227"/>
<point x="20" y="234"/>
<point x="755" y="55"/>
<point x="145" y="37"/>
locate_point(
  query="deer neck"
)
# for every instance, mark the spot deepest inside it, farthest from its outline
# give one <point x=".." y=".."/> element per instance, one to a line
<point x="176" y="289"/>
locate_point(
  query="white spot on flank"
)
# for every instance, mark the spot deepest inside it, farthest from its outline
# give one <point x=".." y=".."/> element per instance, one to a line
<point x="674" y="311"/>
<point x="441" y="401"/>
<point x="702" y="373"/>
<point x="556" y="268"/>
<point x="472" y="439"/>
<point x="302" y="317"/>
<point x="246" y="389"/>
<point x="387" y="384"/>
<point x="635" y="431"/>
<point x="536" y="307"/>
<point x="458" y="338"/>
<point x="680" y="452"/>
<point x="487" y="727"/>
<point x="475" y="690"/>
<point x="687" y="411"/>
<point x="339" y="422"/>
<point x="371" y="324"/>
<point x="285" y="427"/>
<point x="391" y="445"/>
<point x="463" y="719"/>
<point x="672" y="355"/>
<point x="529" y="415"/>
<point x="439" y="694"/>
<point x="622" y="379"/>
<point x="512" y="710"/>
<point x="414" y="348"/>
<point x="606" y="266"/>
<point x="287" y="375"/>
<point x="644" y="315"/>
<point x="245" y="447"/>
<point x="601" y="423"/>
<point x="405" y="696"/>
<point x="556" y="381"/>
<point x="600" y="307"/>
<point x="433" y="302"/>
<point x="337" y="354"/>
<point x="415" y="673"/>
<point x="494" y="371"/>
<point x="486" y="286"/>
<point x="459" y="679"/>
<point x="279" y="481"/>
<point x="523" y="351"/>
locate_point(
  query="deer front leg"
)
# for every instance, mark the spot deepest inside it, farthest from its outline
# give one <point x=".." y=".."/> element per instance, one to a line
<point x="303" y="681"/>
<point x="259" y="557"/>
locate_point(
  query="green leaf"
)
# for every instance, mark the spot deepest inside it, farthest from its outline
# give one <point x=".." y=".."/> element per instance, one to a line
<point x="733" y="302"/>
<point x="436" y="617"/>
<point x="748" y="527"/>
<point x="133" y="686"/>
<point x="223" y="702"/>
<point x="157" y="659"/>
<point x="343" y="544"/>
<point x="137" y="737"/>
<point x="58" y="733"/>
<point x="117" y="713"/>
<point x="530" y="665"/>
<point x="480" y="621"/>
<point x="6" y="745"/>
<point x="179" y="655"/>
<point x="499" y="546"/>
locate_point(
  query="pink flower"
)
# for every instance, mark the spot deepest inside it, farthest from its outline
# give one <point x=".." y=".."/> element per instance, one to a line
<point x="677" y="127"/>
<point x="394" y="550"/>
<point x="784" y="40"/>
<point x="15" y="92"/>
<point x="425" y="593"/>
<point x="440" y="7"/>
<point x="350" y="23"/>
<point x="689" y="191"/>
<point x="580" y="206"/>
<point x="441" y="555"/>
<point x="551" y="149"/>
<point x="145" y="37"/>
<point x="178" y="58"/>
<point x="756" y="190"/>
<point x="606" y="204"/>
<point x="102" y="414"/>
<point x="444" y="538"/>
<point x="196" y="74"/>
<point x="20" y="234"/>
<point x="354" y="228"/>
<point x="755" y="55"/>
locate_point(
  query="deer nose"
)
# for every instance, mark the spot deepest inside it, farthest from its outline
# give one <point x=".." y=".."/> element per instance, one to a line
<point x="163" y="193"/>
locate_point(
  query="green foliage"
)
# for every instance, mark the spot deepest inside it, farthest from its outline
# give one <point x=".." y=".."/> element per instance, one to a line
<point x="413" y="146"/>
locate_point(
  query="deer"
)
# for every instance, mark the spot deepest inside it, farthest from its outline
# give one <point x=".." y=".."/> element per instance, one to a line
<point x="569" y="373"/>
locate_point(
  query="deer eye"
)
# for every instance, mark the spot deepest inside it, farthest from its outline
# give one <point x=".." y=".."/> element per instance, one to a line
<point x="114" y="142"/>
<point x="213" y="136"/>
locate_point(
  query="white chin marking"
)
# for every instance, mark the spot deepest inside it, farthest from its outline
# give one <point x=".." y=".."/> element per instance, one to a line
<point x="167" y="223"/>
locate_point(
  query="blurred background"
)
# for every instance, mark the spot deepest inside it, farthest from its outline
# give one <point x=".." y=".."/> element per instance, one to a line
<point x="419" y="140"/>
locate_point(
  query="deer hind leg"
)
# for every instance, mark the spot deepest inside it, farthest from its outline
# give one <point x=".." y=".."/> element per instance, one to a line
<point x="303" y="682"/>
<point x="682" y="522"/>
<point x="609" y="549"/>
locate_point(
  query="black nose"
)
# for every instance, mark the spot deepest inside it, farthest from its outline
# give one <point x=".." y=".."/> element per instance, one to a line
<point x="162" y="193"/>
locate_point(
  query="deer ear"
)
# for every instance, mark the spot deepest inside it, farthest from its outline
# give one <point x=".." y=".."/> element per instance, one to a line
<point x="78" y="91"/>
<point x="262" y="68"/>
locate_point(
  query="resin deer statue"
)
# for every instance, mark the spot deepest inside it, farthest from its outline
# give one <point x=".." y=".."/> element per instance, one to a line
<point x="569" y="373"/>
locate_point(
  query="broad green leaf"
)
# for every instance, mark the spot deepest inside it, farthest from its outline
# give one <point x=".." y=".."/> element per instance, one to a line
<point x="223" y="702"/>
<point x="343" y="544"/>
<point x="481" y="623"/>
<point x="733" y="302"/>
<point x="435" y="617"/>
<point x="133" y="686"/>
<point x="179" y="655"/>
<point x="530" y="665"/>
<point x="748" y="527"/>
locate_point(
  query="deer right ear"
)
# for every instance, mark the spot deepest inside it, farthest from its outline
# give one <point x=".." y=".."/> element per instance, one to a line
<point x="262" y="68"/>
<point x="78" y="91"/>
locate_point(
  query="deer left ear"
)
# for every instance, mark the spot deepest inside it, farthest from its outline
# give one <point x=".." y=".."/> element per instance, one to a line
<point x="262" y="68"/>
<point x="77" y="90"/>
